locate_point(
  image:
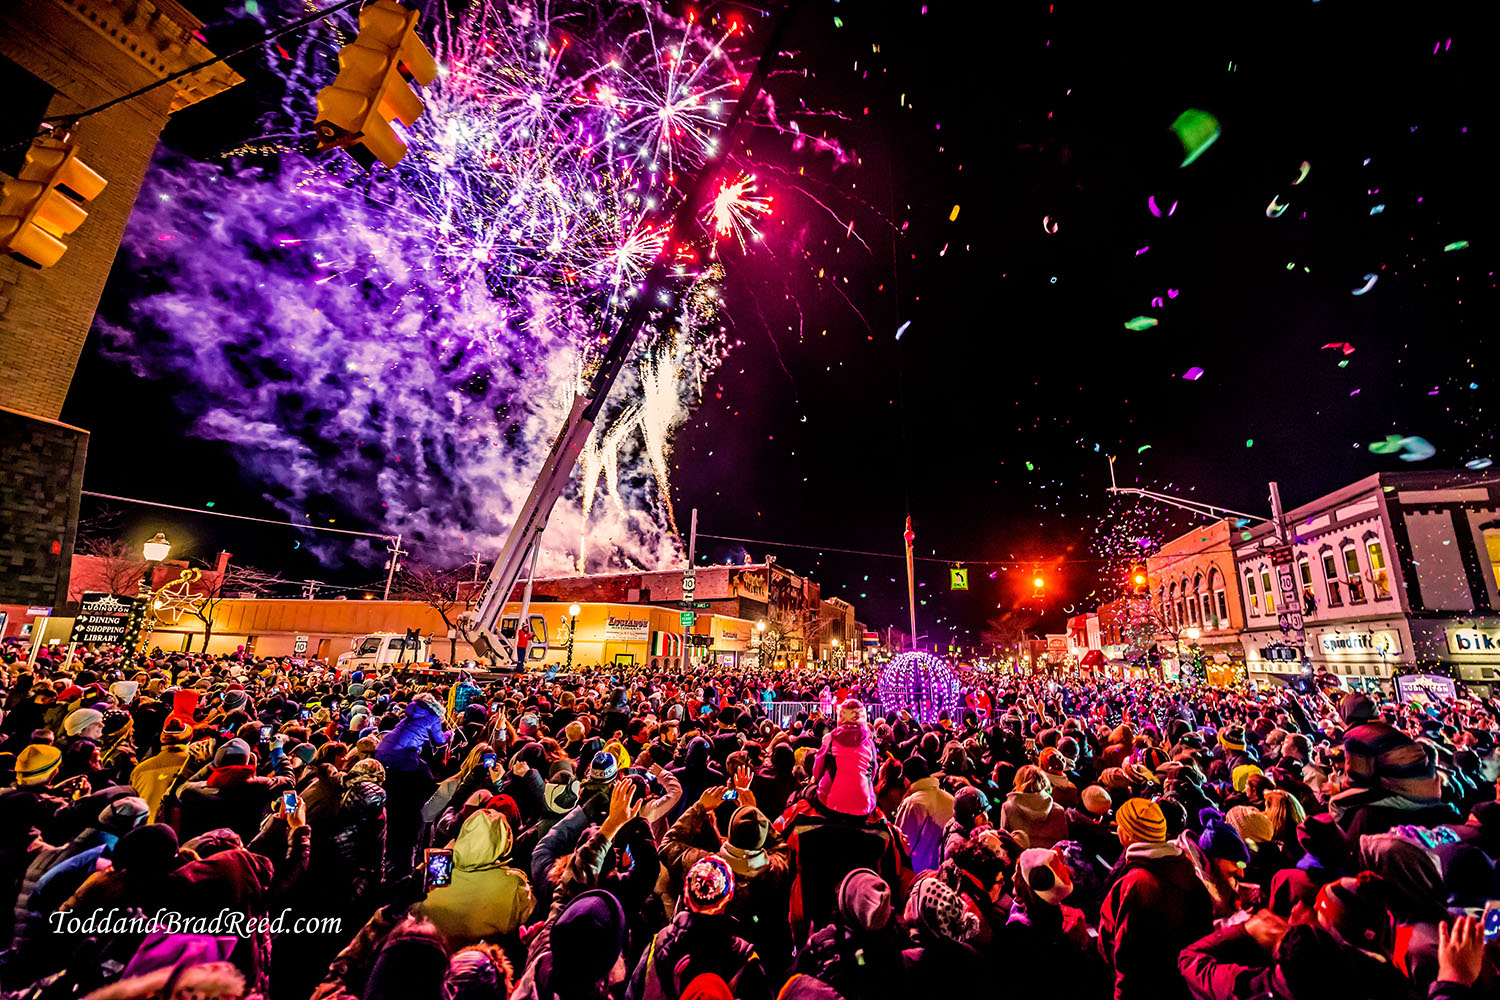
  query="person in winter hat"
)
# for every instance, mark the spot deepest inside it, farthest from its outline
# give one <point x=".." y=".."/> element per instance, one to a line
<point x="1225" y="858"/>
<point x="844" y="772"/>
<point x="858" y="953"/>
<point x="1392" y="780"/>
<point x="970" y="812"/>
<point x="940" y="925"/>
<point x="1043" y="935"/>
<point x="1154" y="907"/>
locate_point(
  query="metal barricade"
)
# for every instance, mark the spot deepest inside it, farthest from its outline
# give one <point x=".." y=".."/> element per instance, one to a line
<point x="783" y="712"/>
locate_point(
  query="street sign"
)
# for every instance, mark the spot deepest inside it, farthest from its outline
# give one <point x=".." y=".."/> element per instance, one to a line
<point x="108" y="618"/>
<point x="688" y="618"/>
<point x="299" y="646"/>
<point x="1281" y="556"/>
<point x="958" y="579"/>
<point x="694" y="605"/>
<point x="689" y="583"/>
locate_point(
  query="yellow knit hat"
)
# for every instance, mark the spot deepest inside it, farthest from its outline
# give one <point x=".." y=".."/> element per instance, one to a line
<point x="1141" y="820"/>
<point x="37" y="764"/>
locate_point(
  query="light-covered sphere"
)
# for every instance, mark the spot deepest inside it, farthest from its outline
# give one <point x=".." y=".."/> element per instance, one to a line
<point x="921" y="683"/>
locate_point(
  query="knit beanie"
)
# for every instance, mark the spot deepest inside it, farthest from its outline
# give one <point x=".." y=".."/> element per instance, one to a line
<point x="1045" y="872"/>
<point x="37" y="764"/>
<point x="709" y="885"/>
<point x="1354" y="909"/>
<point x="1219" y="841"/>
<point x="603" y="769"/>
<point x="80" y="719"/>
<point x="590" y="934"/>
<point x="1253" y="826"/>
<point x="1356" y="707"/>
<point x="748" y="829"/>
<point x="368" y="769"/>
<point x="1241" y="775"/>
<point x="865" y="900"/>
<point x="116" y="723"/>
<point x="1141" y="820"/>
<point x="940" y="910"/>
<point x="1096" y="800"/>
<point x="146" y="849"/>
<point x="915" y="768"/>
<point x="175" y="732"/>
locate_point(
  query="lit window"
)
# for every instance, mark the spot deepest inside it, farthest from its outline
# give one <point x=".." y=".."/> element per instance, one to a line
<point x="1356" y="583"/>
<point x="1265" y="584"/>
<point x="1223" y="603"/>
<point x="1331" y="574"/>
<point x="1251" y="594"/>
<point x="1379" y="575"/>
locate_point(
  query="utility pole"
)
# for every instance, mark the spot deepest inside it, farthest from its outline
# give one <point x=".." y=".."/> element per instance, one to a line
<point x="1290" y="617"/>
<point x="309" y="588"/>
<point x="396" y="553"/>
<point x="690" y="574"/>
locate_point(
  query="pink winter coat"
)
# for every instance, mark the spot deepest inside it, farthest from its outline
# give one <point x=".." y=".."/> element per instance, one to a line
<point x="845" y="770"/>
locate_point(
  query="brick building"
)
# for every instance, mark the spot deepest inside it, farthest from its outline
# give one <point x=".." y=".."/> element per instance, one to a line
<point x="59" y="57"/>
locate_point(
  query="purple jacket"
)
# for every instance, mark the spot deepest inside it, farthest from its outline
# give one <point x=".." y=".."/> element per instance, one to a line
<point x="421" y="723"/>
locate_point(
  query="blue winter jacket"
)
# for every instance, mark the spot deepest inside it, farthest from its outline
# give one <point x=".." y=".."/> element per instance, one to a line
<point x="421" y="723"/>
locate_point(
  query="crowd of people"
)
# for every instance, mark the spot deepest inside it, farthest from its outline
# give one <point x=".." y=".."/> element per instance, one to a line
<point x="188" y="827"/>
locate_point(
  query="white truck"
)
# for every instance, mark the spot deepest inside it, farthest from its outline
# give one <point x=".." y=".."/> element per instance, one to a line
<point x="370" y="652"/>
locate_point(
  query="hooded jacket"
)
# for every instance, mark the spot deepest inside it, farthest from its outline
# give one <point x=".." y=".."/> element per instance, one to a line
<point x="1042" y="820"/>
<point x="696" y="773"/>
<point x="233" y="796"/>
<point x="487" y="898"/>
<point x="1155" y="907"/>
<point x="423" y="723"/>
<point x="153" y="777"/>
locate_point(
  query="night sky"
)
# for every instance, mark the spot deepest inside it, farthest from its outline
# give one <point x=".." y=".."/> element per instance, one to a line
<point x="822" y="429"/>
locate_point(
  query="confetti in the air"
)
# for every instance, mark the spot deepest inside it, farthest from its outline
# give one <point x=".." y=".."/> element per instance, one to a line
<point x="1456" y="246"/>
<point x="1156" y="211"/>
<point x="1344" y="346"/>
<point x="953" y="215"/>
<point x="1196" y="130"/>
<point x="1193" y="374"/>
<point x="1141" y="323"/>
<point x="1370" y="280"/>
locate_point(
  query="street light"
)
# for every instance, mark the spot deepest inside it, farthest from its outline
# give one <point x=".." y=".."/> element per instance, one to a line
<point x="155" y="550"/>
<point x="573" y="612"/>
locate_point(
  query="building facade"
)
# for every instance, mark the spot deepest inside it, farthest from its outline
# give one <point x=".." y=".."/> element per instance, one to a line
<point x="1196" y="606"/>
<point x="1397" y="574"/>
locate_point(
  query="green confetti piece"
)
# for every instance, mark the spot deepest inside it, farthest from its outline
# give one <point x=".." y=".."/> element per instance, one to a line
<point x="1344" y="363"/>
<point x="1196" y="130"/>
<point x="1141" y="323"/>
<point x="1456" y="246"/>
<point x="1249" y="442"/>
<point x="1142" y="448"/>
<point x="838" y="22"/>
<point x="1030" y="467"/>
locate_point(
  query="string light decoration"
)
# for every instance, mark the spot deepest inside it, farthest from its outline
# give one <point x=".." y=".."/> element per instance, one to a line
<point x="920" y="683"/>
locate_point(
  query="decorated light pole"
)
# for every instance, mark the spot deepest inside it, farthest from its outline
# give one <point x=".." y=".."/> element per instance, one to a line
<point x="573" y="612"/>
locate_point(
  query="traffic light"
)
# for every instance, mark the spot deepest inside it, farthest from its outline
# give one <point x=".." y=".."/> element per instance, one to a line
<point x="372" y="92"/>
<point x="1138" y="580"/>
<point x="43" y="203"/>
<point x="1038" y="583"/>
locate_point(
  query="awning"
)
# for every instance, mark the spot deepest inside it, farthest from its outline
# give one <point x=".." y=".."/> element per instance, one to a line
<point x="1093" y="658"/>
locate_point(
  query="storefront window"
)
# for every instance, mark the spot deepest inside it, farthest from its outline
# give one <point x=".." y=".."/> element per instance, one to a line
<point x="1250" y="593"/>
<point x="1265" y="584"/>
<point x="1192" y="599"/>
<point x="1331" y="574"/>
<point x="1210" y="620"/>
<point x="1379" y="576"/>
<point x="1356" y="583"/>
<point x="1223" y="603"/>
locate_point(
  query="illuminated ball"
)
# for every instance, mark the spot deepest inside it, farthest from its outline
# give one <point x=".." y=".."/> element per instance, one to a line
<point x="920" y="683"/>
